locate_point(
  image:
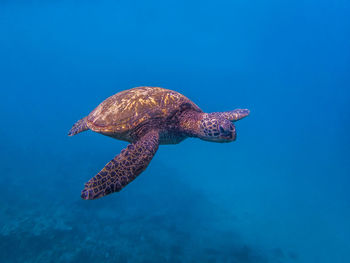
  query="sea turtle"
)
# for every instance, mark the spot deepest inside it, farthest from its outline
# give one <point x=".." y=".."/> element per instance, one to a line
<point x="147" y="117"/>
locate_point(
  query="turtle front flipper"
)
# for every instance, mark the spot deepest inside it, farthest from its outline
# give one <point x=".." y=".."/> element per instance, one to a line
<point x="235" y="115"/>
<point x="124" y="168"/>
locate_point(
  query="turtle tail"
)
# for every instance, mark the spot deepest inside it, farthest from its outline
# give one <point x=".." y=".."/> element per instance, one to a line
<point x="78" y="127"/>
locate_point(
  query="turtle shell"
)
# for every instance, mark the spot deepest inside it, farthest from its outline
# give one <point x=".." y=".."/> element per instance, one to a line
<point x="128" y="109"/>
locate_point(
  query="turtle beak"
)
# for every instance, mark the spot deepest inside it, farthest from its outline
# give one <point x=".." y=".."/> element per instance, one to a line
<point x="230" y="138"/>
<point x="228" y="135"/>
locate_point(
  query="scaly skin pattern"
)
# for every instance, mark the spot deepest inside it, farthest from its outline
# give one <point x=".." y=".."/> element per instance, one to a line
<point x="214" y="127"/>
<point x="124" y="168"/>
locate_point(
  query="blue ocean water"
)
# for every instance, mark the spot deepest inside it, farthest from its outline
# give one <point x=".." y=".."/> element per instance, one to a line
<point x="280" y="193"/>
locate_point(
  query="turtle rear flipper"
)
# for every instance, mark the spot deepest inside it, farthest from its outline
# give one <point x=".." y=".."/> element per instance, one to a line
<point x="78" y="127"/>
<point x="124" y="168"/>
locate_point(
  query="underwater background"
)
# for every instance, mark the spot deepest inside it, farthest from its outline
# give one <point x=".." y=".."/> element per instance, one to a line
<point x="279" y="193"/>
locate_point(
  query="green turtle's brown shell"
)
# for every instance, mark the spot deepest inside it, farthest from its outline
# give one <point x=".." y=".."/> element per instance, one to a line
<point x="127" y="109"/>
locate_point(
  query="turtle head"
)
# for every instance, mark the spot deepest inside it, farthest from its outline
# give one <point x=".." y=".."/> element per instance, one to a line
<point x="214" y="127"/>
